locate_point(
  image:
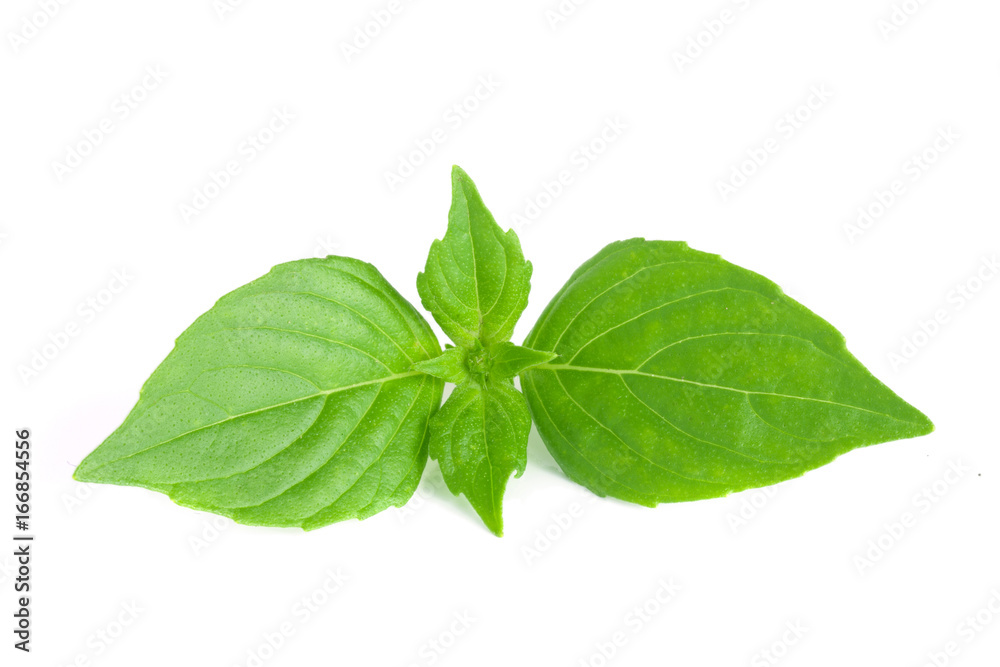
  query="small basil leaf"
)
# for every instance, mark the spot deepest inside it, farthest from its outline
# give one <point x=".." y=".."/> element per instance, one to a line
<point x="450" y="366"/>
<point x="510" y="360"/>
<point x="476" y="280"/>
<point x="683" y="377"/>
<point x="479" y="437"/>
<point x="290" y="403"/>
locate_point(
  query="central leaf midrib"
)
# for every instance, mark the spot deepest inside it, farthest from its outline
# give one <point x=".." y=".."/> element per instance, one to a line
<point x="489" y="461"/>
<point x="382" y="380"/>
<point x="619" y="372"/>
<point x="475" y="267"/>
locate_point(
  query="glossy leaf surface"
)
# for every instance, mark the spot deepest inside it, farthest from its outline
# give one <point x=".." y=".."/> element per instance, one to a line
<point x="682" y="376"/>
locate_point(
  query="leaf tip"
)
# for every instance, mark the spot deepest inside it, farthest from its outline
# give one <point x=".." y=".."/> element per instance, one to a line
<point x="491" y="514"/>
<point x="459" y="178"/>
<point x="84" y="472"/>
<point x="918" y="424"/>
<point x="925" y="426"/>
<point x="464" y="189"/>
<point x="495" y="525"/>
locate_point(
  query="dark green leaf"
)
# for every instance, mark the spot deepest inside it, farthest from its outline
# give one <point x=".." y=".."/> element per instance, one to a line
<point x="682" y="376"/>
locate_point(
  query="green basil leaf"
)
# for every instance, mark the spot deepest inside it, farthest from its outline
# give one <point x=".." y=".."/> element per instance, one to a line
<point x="509" y="360"/>
<point x="682" y="376"/>
<point x="290" y="403"/>
<point x="450" y="365"/>
<point x="476" y="280"/>
<point x="479" y="437"/>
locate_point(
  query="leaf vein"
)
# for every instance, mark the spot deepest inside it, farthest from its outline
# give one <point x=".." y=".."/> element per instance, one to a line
<point x="378" y="459"/>
<point x="309" y="335"/>
<point x="627" y="445"/>
<point x="647" y="312"/>
<point x="585" y="369"/>
<point x="623" y="280"/>
<point x="579" y="452"/>
<point x="263" y="409"/>
<point x="691" y="435"/>
<point x="380" y="293"/>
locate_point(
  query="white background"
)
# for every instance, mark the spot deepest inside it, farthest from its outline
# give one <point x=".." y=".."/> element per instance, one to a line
<point x="320" y="187"/>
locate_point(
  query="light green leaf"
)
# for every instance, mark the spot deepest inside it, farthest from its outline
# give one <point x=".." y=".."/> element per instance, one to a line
<point x="290" y="403"/>
<point x="682" y="377"/>
<point x="501" y="361"/>
<point x="476" y="280"/>
<point x="509" y="360"/>
<point x="450" y="365"/>
<point x="479" y="437"/>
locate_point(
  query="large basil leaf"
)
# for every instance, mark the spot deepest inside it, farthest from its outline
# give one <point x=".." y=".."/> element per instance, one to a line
<point x="479" y="437"/>
<point x="682" y="376"/>
<point x="476" y="280"/>
<point x="290" y="403"/>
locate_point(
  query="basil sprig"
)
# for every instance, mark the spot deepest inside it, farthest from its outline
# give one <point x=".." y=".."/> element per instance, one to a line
<point x="657" y="374"/>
